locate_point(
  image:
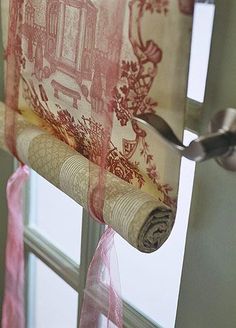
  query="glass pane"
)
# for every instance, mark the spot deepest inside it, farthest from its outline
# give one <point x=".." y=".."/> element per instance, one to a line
<point x="103" y="322"/>
<point x="56" y="216"/>
<point x="200" y="49"/>
<point x="54" y="303"/>
<point x="150" y="282"/>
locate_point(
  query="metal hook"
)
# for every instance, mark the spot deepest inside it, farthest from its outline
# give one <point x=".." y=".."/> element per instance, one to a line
<point x="219" y="143"/>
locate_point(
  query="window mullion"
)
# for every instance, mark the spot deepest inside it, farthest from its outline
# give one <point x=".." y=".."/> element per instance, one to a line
<point x="56" y="260"/>
<point x="30" y="294"/>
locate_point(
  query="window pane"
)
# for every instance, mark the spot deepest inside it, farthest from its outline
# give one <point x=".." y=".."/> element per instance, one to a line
<point x="54" y="303"/>
<point x="200" y="49"/>
<point x="56" y="216"/>
<point x="103" y="322"/>
<point x="150" y="282"/>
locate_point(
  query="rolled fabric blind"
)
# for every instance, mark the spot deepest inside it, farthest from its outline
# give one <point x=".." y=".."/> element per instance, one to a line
<point x="137" y="216"/>
<point x="86" y="68"/>
<point x="76" y="74"/>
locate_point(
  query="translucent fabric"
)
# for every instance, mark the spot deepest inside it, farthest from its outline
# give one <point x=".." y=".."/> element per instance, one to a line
<point x="79" y="71"/>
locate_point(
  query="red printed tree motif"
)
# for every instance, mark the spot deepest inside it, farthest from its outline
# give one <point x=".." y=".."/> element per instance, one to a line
<point x="186" y="6"/>
<point x="132" y="97"/>
<point x="85" y="136"/>
<point x="159" y="6"/>
<point x="137" y="77"/>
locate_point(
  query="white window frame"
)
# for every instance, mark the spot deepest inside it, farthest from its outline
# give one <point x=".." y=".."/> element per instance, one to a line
<point x="72" y="274"/>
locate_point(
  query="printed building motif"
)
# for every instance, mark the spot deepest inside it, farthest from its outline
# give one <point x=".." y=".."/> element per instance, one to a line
<point x="66" y="38"/>
<point x="85" y="61"/>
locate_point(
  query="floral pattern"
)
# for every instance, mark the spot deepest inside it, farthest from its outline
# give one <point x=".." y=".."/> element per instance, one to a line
<point x="85" y="136"/>
<point x="102" y="84"/>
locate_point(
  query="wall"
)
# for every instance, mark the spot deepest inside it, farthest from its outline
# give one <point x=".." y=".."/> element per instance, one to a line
<point x="6" y="167"/>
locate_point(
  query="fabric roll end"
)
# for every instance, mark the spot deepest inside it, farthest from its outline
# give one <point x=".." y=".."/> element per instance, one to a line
<point x="156" y="230"/>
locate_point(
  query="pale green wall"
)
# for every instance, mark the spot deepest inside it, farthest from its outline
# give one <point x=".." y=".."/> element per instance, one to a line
<point x="6" y="167"/>
<point x="208" y="287"/>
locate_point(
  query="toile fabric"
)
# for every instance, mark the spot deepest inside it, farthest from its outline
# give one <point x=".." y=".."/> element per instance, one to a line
<point x="142" y="220"/>
<point x="76" y="74"/>
<point x="87" y="67"/>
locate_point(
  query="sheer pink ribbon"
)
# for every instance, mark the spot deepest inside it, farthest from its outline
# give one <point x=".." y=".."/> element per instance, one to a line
<point x="103" y="262"/>
<point x="101" y="295"/>
<point x="13" y="305"/>
<point x="13" y="314"/>
<point x="102" y="285"/>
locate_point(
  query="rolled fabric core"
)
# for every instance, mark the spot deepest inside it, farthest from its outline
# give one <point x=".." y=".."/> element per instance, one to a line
<point x="142" y="220"/>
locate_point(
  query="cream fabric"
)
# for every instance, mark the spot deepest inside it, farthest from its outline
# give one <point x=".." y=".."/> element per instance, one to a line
<point x="138" y="217"/>
<point x="82" y="60"/>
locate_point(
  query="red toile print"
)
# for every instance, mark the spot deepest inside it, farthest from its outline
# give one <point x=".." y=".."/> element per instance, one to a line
<point x="132" y="98"/>
<point x="85" y="135"/>
<point x="87" y="66"/>
<point x="88" y="75"/>
<point x="14" y="57"/>
<point x="186" y="6"/>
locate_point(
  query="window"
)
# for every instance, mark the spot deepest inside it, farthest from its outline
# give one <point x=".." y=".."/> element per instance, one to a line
<point x="56" y="241"/>
<point x="29" y="14"/>
<point x="200" y="50"/>
<point x="65" y="242"/>
<point x="50" y="295"/>
<point x="59" y="245"/>
<point x="53" y="12"/>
